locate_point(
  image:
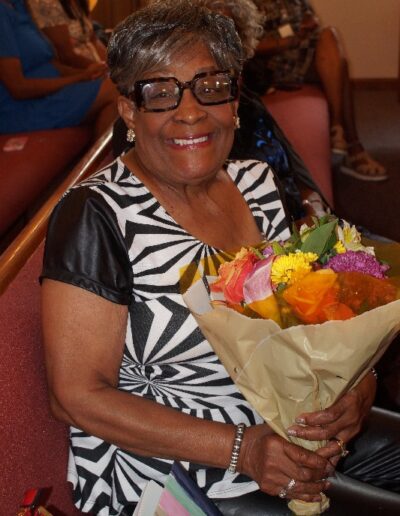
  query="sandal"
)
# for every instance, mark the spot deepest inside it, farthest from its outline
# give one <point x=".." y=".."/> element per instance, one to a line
<point x="362" y="166"/>
<point x="338" y="141"/>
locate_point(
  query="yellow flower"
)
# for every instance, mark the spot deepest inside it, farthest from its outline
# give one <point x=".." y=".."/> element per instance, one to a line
<point x="292" y="267"/>
<point x="339" y="247"/>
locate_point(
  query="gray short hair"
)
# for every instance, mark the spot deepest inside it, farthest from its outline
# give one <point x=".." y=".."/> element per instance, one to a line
<point x="248" y="20"/>
<point x="150" y="37"/>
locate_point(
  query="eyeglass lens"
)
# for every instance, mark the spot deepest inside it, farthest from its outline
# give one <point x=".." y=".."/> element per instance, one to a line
<point x="166" y="94"/>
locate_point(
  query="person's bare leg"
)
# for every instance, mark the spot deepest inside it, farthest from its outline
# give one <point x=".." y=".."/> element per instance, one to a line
<point x="329" y="62"/>
<point x="103" y="111"/>
<point x="359" y="161"/>
<point x="333" y="72"/>
<point x="348" y="108"/>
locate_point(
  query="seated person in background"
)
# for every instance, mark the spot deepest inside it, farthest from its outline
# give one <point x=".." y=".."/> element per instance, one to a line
<point x="296" y="49"/>
<point x="128" y="368"/>
<point x="258" y="136"/>
<point x="68" y="26"/>
<point x="36" y="91"/>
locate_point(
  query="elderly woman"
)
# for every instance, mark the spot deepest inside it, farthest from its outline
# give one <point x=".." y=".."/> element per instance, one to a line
<point x="259" y="136"/>
<point x="128" y="368"/>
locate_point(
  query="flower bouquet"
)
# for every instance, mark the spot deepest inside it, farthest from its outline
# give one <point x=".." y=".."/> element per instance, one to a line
<point x="299" y="323"/>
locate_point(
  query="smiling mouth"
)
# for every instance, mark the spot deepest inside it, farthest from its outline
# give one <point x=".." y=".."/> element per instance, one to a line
<point x="190" y="142"/>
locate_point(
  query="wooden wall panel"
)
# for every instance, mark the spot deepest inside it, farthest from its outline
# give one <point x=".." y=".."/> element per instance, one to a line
<point x="111" y="12"/>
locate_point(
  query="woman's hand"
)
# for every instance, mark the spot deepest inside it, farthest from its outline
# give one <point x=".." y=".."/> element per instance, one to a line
<point x="272" y="462"/>
<point x="342" y="421"/>
<point x="98" y="70"/>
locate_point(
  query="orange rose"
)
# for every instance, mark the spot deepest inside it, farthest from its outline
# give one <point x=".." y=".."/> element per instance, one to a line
<point x="314" y="298"/>
<point x="232" y="276"/>
<point x="363" y="292"/>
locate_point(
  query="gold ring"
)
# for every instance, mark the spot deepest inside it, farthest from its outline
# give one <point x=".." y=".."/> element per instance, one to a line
<point x="342" y="446"/>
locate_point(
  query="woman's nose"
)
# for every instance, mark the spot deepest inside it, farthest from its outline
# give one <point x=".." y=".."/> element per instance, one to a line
<point x="189" y="110"/>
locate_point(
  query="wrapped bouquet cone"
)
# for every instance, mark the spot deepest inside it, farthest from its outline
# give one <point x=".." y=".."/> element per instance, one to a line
<point x="303" y="368"/>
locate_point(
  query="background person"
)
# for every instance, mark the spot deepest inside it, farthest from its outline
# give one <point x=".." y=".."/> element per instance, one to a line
<point x="259" y="136"/>
<point x="297" y="49"/>
<point x="68" y="26"/>
<point x="128" y="367"/>
<point x="36" y="91"/>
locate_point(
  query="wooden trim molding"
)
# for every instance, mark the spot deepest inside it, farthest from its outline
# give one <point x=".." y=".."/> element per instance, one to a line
<point x="19" y="251"/>
<point x="375" y="84"/>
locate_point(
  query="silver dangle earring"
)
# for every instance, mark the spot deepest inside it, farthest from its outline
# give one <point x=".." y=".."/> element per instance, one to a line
<point x="236" y="121"/>
<point x="130" y="135"/>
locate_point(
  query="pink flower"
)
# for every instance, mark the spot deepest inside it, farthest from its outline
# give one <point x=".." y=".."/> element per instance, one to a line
<point x="232" y="276"/>
<point x="257" y="285"/>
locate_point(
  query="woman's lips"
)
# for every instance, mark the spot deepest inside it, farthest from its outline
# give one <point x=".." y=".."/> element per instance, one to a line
<point x="190" y="142"/>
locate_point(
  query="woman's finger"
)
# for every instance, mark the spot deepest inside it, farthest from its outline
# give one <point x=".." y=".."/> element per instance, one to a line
<point x="305" y="465"/>
<point x="330" y="450"/>
<point x="307" y="488"/>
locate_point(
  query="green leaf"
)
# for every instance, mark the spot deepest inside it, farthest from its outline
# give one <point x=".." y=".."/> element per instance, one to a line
<point x="278" y="248"/>
<point x="320" y="239"/>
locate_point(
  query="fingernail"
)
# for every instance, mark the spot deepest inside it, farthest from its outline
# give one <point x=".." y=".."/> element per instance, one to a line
<point x="300" y="420"/>
<point x="291" y="432"/>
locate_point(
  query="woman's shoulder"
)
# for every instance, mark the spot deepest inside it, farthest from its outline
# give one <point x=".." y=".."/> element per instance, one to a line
<point x="252" y="177"/>
<point x="48" y="13"/>
<point x="113" y="173"/>
<point x="250" y="167"/>
<point x="94" y="188"/>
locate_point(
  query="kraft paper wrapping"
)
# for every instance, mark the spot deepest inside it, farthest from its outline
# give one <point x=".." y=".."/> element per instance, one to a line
<point x="284" y="372"/>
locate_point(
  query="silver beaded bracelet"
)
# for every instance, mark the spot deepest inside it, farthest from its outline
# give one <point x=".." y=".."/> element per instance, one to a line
<point x="237" y="443"/>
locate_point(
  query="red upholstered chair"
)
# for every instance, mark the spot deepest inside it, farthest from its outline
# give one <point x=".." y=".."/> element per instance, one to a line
<point x="303" y="115"/>
<point x="34" y="447"/>
<point x="25" y="174"/>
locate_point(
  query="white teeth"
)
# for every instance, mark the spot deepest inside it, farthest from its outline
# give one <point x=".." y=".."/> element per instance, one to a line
<point x="191" y="141"/>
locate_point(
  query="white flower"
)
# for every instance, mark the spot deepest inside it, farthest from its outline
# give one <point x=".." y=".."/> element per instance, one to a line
<point x="351" y="239"/>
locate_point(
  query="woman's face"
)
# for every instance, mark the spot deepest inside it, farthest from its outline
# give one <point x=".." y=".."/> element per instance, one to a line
<point x="189" y="144"/>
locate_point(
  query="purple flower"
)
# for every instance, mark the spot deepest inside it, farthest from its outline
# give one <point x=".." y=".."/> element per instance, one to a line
<point x="268" y="251"/>
<point x="357" y="261"/>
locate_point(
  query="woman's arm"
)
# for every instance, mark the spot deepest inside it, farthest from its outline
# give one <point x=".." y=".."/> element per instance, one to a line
<point x="21" y="87"/>
<point x="84" y="338"/>
<point x="68" y="60"/>
<point x="59" y="36"/>
<point x="270" y="45"/>
<point x="101" y="49"/>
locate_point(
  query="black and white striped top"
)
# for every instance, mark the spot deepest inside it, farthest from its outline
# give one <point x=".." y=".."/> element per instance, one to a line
<point x="110" y="236"/>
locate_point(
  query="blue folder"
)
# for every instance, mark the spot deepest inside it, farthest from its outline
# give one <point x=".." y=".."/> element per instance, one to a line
<point x="189" y="485"/>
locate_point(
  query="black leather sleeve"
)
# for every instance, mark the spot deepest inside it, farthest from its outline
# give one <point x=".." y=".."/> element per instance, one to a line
<point x="85" y="247"/>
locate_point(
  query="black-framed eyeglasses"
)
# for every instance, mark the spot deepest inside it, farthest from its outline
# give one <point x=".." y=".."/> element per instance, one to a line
<point x="165" y="93"/>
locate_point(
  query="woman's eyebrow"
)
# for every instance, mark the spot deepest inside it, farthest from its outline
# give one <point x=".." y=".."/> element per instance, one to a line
<point x="157" y="74"/>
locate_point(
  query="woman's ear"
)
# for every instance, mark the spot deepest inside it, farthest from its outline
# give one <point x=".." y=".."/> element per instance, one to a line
<point x="235" y="107"/>
<point x="127" y="111"/>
